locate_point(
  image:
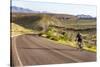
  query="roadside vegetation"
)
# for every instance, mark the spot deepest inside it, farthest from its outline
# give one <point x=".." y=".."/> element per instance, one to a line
<point x="89" y="43"/>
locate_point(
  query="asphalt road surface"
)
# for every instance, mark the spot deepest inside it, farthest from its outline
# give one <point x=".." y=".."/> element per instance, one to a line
<point x="27" y="50"/>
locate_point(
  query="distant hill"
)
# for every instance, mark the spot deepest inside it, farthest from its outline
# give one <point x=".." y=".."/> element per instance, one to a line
<point x="39" y="22"/>
<point x="64" y="17"/>
<point x="15" y="9"/>
<point x="22" y="10"/>
<point x="82" y="16"/>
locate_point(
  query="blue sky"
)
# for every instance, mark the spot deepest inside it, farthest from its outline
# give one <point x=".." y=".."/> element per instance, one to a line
<point x="56" y="7"/>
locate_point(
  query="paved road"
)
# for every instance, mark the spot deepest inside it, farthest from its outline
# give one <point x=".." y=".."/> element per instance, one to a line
<point x="35" y="50"/>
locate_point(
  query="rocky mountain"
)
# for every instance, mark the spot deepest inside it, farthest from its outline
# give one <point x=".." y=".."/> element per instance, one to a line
<point x="22" y="10"/>
<point x="85" y="16"/>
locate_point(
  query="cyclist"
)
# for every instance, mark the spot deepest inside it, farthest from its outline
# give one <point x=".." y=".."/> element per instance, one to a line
<point x="79" y="40"/>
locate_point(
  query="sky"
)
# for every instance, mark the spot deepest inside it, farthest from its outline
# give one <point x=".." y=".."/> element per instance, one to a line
<point x="64" y="8"/>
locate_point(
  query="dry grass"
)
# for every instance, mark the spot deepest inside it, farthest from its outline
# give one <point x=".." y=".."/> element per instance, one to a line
<point x="19" y="30"/>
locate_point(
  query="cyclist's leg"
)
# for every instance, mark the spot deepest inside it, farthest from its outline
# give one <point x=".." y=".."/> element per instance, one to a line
<point x="80" y="45"/>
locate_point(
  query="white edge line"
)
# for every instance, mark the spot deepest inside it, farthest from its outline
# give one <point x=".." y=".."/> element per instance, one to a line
<point x="17" y="53"/>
